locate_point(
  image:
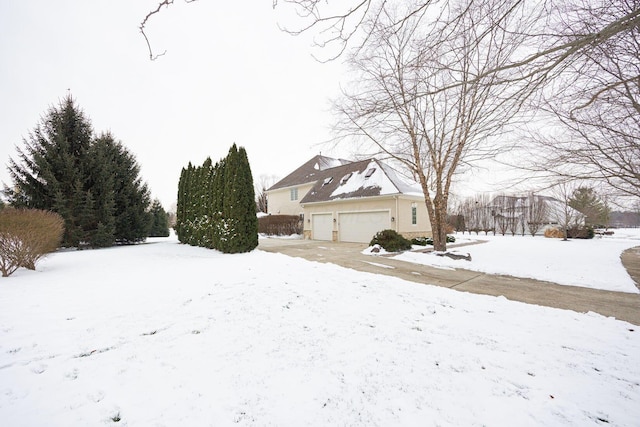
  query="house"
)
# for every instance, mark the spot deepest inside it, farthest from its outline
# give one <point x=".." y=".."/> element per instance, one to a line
<point x="532" y="213"/>
<point x="340" y="200"/>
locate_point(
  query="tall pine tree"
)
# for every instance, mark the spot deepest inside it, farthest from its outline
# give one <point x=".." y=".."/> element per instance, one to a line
<point x="51" y="171"/>
<point x="131" y="195"/>
<point x="160" y="220"/>
<point x="93" y="183"/>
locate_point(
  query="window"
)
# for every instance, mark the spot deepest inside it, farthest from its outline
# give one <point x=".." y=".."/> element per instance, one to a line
<point x="414" y="214"/>
<point x="345" y="178"/>
<point x="294" y="194"/>
<point x="327" y="180"/>
<point x="370" y="172"/>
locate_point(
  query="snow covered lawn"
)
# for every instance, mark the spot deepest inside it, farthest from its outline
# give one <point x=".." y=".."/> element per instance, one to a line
<point x="164" y="334"/>
<point x="591" y="263"/>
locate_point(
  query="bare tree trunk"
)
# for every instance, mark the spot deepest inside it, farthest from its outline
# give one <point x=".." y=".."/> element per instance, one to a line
<point x="536" y="213"/>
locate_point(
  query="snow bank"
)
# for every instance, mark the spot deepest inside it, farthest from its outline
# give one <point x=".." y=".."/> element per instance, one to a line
<point x="167" y="334"/>
<point x="591" y="263"/>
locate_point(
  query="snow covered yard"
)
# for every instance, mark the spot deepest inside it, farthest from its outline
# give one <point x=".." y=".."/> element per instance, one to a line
<point x="591" y="263"/>
<point x="165" y="334"/>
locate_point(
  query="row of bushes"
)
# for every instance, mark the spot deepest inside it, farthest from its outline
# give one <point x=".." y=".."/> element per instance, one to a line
<point x="216" y="207"/>
<point x="279" y="225"/>
<point x="26" y="235"/>
<point x="424" y="241"/>
<point x="576" y="232"/>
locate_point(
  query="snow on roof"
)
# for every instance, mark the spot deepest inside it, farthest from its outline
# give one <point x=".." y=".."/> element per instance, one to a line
<point x="403" y="184"/>
<point x="359" y="181"/>
<point x="375" y="175"/>
<point x="324" y="163"/>
<point x="309" y="172"/>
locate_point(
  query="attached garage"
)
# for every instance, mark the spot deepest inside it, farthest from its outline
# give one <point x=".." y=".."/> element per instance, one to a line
<point x="322" y="226"/>
<point x="361" y="226"/>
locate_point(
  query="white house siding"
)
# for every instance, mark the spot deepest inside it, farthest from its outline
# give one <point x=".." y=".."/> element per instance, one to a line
<point x="279" y="201"/>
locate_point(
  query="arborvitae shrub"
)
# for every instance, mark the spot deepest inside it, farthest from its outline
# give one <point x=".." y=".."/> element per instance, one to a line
<point x="391" y="241"/>
<point x="216" y="207"/>
<point x="26" y="235"/>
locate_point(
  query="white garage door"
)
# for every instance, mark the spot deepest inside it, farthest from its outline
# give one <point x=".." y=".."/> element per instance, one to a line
<point x="322" y="226"/>
<point x="361" y="226"/>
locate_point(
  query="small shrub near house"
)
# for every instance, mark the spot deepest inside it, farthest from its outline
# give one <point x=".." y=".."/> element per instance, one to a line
<point x="391" y="241"/>
<point x="26" y="235"/>
<point x="581" y="233"/>
<point x="424" y="241"/>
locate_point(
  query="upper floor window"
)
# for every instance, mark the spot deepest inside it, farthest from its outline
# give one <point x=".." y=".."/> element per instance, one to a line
<point x="345" y="178"/>
<point x="294" y="194"/>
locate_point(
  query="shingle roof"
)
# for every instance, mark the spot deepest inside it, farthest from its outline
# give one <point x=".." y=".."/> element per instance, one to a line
<point x="365" y="178"/>
<point x="341" y="179"/>
<point x="311" y="171"/>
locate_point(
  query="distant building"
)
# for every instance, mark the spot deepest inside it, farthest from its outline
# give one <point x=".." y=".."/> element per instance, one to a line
<point x="521" y="214"/>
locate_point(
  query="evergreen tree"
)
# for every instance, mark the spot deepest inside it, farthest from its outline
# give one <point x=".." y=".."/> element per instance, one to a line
<point x="160" y="220"/>
<point x="239" y="209"/>
<point x="216" y="206"/>
<point x="100" y="220"/>
<point x="51" y="171"/>
<point x="248" y="219"/>
<point x="180" y="205"/>
<point x="93" y="183"/>
<point x="586" y="201"/>
<point x="131" y="195"/>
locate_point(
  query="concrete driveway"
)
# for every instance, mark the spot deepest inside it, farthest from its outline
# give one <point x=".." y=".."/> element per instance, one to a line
<point x="623" y="306"/>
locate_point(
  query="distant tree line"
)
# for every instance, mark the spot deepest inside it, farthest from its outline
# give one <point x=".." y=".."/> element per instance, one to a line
<point x="530" y="214"/>
<point x="216" y="204"/>
<point x="92" y="182"/>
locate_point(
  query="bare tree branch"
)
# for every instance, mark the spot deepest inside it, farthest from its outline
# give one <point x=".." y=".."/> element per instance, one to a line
<point x="143" y="26"/>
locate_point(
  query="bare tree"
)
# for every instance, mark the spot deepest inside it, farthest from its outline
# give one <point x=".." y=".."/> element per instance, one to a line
<point x="595" y="103"/>
<point x="565" y="216"/>
<point x="483" y="212"/>
<point x="469" y="211"/>
<point x="261" y="187"/>
<point x="499" y="212"/>
<point x="536" y="213"/>
<point x="522" y="214"/>
<point x="511" y="203"/>
<point x="395" y="111"/>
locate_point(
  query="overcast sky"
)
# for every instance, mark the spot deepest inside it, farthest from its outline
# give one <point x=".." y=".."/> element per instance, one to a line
<point x="229" y="75"/>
